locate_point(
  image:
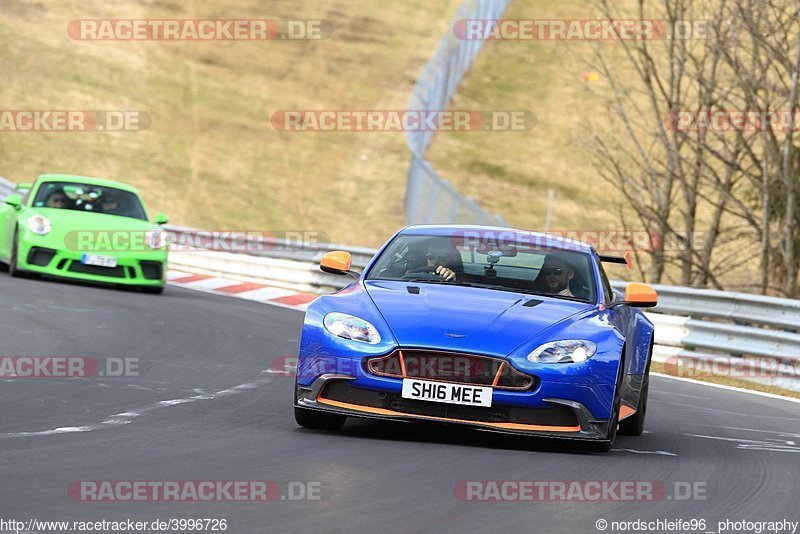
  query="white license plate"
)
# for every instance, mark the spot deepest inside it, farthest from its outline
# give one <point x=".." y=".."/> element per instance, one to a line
<point x="101" y="261"/>
<point x="447" y="392"/>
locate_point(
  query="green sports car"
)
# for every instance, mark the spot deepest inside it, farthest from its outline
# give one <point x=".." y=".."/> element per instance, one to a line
<point x="83" y="228"/>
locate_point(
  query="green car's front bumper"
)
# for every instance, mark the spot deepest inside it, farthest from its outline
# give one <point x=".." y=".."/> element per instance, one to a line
<point x="134" y="268"/>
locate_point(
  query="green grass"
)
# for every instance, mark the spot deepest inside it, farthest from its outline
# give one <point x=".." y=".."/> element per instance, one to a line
<point x="511" y="172"/>
<point x="210" y="158"/>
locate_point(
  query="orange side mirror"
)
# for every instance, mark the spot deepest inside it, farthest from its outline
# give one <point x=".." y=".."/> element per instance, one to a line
<point x="336" y="262"/>
<point x="640" y="295"/>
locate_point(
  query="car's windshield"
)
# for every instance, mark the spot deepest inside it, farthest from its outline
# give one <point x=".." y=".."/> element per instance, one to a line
<point x="509" y="263"/>
<point x="89" y="198"/>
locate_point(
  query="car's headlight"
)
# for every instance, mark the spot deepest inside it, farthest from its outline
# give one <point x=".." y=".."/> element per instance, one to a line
<point x="567" y="351"/>
<point x="351" y="327"/>
<point x="39" y="224"/>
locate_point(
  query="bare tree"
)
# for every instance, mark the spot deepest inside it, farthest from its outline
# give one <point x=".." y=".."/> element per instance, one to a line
<point x="710" y="191"/>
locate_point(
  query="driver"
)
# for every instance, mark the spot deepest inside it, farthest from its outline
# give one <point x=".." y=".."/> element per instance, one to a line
<point x="57" y="199"/>
<point x="557" y="274"/>
<point x="437" y="258"/>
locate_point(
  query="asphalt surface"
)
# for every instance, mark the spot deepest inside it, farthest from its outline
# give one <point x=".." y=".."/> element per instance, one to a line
<point x="228" y="419"/>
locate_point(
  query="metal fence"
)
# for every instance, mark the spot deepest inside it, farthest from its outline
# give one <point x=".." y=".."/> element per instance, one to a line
<point x="429" y="197"/>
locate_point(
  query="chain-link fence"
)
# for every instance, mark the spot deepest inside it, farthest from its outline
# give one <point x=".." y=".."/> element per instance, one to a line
<point x="429" y="197"/>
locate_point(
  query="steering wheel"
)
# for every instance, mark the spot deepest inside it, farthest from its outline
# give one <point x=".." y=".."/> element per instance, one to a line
<point x="425" y="274"/>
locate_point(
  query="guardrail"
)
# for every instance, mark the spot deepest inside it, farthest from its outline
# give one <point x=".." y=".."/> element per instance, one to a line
<point x="6" y="187"/>
<point x="264" y="246"/>
<point x="740" y="308"/>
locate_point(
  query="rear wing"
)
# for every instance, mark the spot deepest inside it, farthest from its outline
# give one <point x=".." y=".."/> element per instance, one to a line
<point x="624" y="260"/>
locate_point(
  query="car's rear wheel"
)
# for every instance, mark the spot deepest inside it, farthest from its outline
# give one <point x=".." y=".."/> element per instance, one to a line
<point x="318" y="420"/>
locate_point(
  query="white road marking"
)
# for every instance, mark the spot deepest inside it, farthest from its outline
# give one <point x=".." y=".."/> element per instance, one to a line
<point x="752" y="445"/>
<point x="125" y="418"/>
<point x="727" y="412"/>
<point x="661" y="453"/>
<point x="671" y="394"/>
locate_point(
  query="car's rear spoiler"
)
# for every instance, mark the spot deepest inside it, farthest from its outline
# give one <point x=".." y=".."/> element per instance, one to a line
<point x="624" y="260"/>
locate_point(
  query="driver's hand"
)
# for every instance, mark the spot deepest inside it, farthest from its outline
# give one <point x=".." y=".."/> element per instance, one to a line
<point x="448" y="275"/>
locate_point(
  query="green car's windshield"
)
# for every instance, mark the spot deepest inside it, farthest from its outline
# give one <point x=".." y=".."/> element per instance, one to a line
<point x="89" y="198"/>
<point x="520" y="266"/>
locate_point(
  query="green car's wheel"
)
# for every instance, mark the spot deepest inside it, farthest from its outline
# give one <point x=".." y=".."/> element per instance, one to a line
<point x="12" y="264"/>
<point x="153" y="290"/>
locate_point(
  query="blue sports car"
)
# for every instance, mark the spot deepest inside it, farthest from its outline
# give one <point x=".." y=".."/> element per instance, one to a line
<point x="499" y="329"/>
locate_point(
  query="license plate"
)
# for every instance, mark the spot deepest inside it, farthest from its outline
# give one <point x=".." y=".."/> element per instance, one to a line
<point x="447" y="392"/>
<point x="100" y="261"/>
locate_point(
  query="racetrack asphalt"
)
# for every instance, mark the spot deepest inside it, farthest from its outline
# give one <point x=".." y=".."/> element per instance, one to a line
<point x="204" y="407"/>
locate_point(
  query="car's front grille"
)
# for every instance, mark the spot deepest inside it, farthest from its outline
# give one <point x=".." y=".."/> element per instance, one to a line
<point x="450" y="367"/>
<point x="341" y="391"/>
<point x="111" y="272"/>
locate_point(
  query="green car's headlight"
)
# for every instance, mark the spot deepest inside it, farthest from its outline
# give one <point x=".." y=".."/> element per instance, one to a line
<point x="567" y="351"/>
<point x="39" y="224"/>
<point x="351" y="327"/>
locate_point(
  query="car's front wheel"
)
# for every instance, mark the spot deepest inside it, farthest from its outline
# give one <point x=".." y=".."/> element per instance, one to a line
<point x="153" y="290"/>
<point x="318" y="420"/>
<point x="613" y="422"/>
<point x="13" y="270"/>
<point x="606" y="444"/>
<point x="634" y="425"/>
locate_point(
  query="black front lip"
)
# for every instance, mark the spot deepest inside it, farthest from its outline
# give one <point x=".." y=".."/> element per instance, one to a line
<point x="591" y="429"/>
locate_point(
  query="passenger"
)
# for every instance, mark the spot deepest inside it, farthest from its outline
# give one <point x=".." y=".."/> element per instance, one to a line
<point x="555" y="276"/>
<point x="108" y="204"/>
